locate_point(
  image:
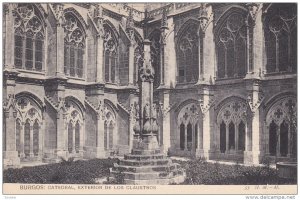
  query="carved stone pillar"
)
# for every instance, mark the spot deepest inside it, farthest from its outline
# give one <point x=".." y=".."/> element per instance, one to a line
<point x="255" y="45"/>
<point x="58" y="11"/>
<point x="255" y="98"/>
<point x="61" y="130"/>
<point x="206" y="101"/>
<point x="98" y="18"/>
<point x="206" y="45"/>
<point x="8" y="36"/>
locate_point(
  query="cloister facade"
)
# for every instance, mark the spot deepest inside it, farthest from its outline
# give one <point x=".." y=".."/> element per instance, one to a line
<point x="225" y="79"/>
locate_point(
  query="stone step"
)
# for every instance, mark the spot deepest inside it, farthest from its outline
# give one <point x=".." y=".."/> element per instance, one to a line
<point x="145" y="152"/>
<point x="144" y="157"/>
<point x="160" y="168"/>
<point x="145" y="162"/>
<point x="163" y="181"/>
<point x="148" y="175"/>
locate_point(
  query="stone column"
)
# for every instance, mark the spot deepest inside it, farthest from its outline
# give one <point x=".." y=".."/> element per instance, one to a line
<point x="206" y="45"/>
<point x="255" y="45"/>
<point x="8" y="29"/>
<point x="166" y="130"/>
<point x="227" y="139"/>
<point x="236" y="144"/>
<point x="10" y="154"/>
<point x="22" y="154"/>
<point x="58" y="11"/>
<point x="41" y="139"/>
<point x="73" y="139"/>
<point x="82" y="138"/>
<point x="31" y="142"/>
<point x="62" y="144"/>
<point x="98" y="18"/>
<point x="99" y="59"/>
<point x="185" y="137"/>
<point x="131" y="64"/>
<point x="100" y="152"/>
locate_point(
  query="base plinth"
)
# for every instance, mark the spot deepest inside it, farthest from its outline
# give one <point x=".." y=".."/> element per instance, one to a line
<point x="147" y="165"/>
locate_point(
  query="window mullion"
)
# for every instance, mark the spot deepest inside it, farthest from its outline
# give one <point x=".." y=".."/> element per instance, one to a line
<point x="23" y="52"/>
<point x="33" y="54"/>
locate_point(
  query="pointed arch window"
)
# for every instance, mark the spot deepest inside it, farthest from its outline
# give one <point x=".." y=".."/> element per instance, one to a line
<point x="28" y="133"/>
<point x="281" y="120"/>
<point x="188" y="55"/>
<point x="109" y="129"/>
<point x="222" y="137"/>
<point x="232" y="120"/>
<point x="188" y="118"/>
<point x="242" y="132"/>
<point x="280" y="30"/>
<point x="27" y="138"/>
<point x="36" y="138"/>
<point x="74" y="47"/>
<point x="77" y="137"/>
<point x="29" y="38"/>
<point x="110" y="55"/>
<point x="272" y="138"/>
<point x="231" y="47"/>
<point x="182" y="136"/>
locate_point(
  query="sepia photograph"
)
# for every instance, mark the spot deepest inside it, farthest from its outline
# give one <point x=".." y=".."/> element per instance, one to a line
<point x="149" y="98"/>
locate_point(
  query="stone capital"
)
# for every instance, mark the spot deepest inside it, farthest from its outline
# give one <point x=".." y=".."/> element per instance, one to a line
<point x="205" y="16"/>
<point x="253" y="9"/>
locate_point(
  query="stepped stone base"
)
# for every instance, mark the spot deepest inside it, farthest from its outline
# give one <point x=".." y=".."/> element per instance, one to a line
<point x="147" y="166"/>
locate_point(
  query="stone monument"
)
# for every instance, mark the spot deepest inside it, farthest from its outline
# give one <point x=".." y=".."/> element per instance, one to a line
<point x="147" y="164"/>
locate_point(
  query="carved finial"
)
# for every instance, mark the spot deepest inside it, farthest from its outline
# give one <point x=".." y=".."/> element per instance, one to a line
<point x="253" y="9"/>
<point x="59" y="13"/>
<point x="98" y="17"/>
<point x="204" y="16"/>
<point x="164" y="19"/>
<point x="130" y="25"/>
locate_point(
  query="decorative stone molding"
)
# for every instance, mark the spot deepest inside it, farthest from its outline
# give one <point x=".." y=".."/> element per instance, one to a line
<point x="205" y="16"/>
<point x="99" y="20"/>
<point x="58" y="9"/>
<point x="130" y="27"/>
<point x="9" y="102"/>
<point x="255" y="103"/>
<point x="205" y="106"/>
<point x="253" y="9"/>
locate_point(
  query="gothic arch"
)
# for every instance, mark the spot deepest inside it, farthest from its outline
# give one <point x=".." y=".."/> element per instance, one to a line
<point x="229" y="11"/>
<point x="228" y="99"/>
<point x="113" y="28"/>
<point x="185" y="25"/>
<point x="33" y="97"/>
<point x="29" y="36"/>
<point x="77" y="102"/>
<point x="187" y="52"/>
<point x="112" y="106"/>
<point x="231" y="44"/>
<point x="184" y="103"/>
<point x="280" y="31"/>
<point x="232" y="122"/>
<point x="188" y="123"/>
<point x="281" y="126"/>
<point x="28" y="126"/>
<point x="78" y="17"/>
<point x="273" y="99"/>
